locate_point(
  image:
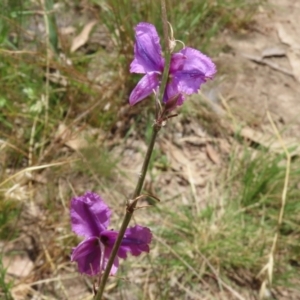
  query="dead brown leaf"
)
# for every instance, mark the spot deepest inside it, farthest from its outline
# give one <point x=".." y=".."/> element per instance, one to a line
<point x="20" y="291"/>
<point x="75" y="141"/>
<point x="224" y="146"/>
<point x="289" y="34"/>
<point x="294" y="59"/>
<point x="83" y="36"/>
<point x="181" y="164"/>
<point x="212" y="154"/>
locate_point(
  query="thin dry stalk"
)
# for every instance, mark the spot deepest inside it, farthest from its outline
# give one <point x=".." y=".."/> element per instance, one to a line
<point x="220" y="281"/>
<point x="54" y="279"/>
<point x="193" y="188"/>
<point x="4" y="144"/>
<point x="179" y="257"/>
<point x="268" y="269"/>
<point x="225" y="104"/>
<point x="34" y="168"/>
<point x="188" y="292"/>
<point x="46" y="252"/>
<point x="30" y="158"/>
<point x="47" y="75"/>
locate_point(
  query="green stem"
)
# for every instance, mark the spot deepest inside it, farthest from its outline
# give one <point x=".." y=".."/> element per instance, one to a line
<point x="51" y="26"/>
<point x="157" y="126"/>
<point x="129" y="213"/>
<point x="167" y="49"/>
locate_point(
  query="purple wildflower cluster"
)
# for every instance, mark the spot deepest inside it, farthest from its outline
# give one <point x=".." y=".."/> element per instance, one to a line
<point x="189" y="68"/>
<point x="90" y="218"/>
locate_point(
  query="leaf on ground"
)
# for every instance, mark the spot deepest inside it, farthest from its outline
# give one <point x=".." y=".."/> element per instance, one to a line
<point x="212" y="154"/>
<point x="289" y="34"/>
<point x="21" y="291"/>
<point x="225" y="146"/>
<point x="18" y="265"/>
<point x="181" y="164"/>
<point x="83" y="36"/>
<point x="74" y="141"/>
<point x="294" y="59"/>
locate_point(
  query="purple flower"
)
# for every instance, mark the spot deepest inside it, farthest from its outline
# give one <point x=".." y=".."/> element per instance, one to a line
<point x="189" y="68"/>
<point x="90" y="218"/>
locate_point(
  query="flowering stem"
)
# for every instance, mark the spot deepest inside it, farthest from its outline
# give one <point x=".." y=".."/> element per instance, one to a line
<point x="156" y="128"/>
<point x="129" y="212"/>
<point x="167" y="49"/>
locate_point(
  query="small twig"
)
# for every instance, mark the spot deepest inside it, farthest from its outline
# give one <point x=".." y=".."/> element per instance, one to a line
<point x="272" y="65"/>
<point x="140" y="197"/>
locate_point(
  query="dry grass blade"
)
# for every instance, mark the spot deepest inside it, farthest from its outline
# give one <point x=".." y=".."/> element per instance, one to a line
<point x="34" y="168"/>
<point x="220" y="281"/>
<point x="268" y="269"/>
<point x="51" y="38"/>
<point x="179" y="257"/>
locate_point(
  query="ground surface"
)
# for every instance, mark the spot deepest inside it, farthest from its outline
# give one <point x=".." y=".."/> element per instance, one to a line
<point x="267" y="67"/>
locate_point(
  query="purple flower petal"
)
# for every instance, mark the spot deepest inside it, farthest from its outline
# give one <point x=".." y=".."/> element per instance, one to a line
<point x="197" y="68"/>
<point x="189" y="68"/>
<point x="136" y="240"/>
<point x="115" y="265"/>
<point x="90" y="218"/>
<point x="89" y="215"/>
<point x="177" y="62"/>
<point x="147" y="50"/>
<point x="172" y="90"/>
<point x="87" y="255"/>
<point x="144" y="87"/>
<point x="173" y="102"/>
<point x="108" y="237"/>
